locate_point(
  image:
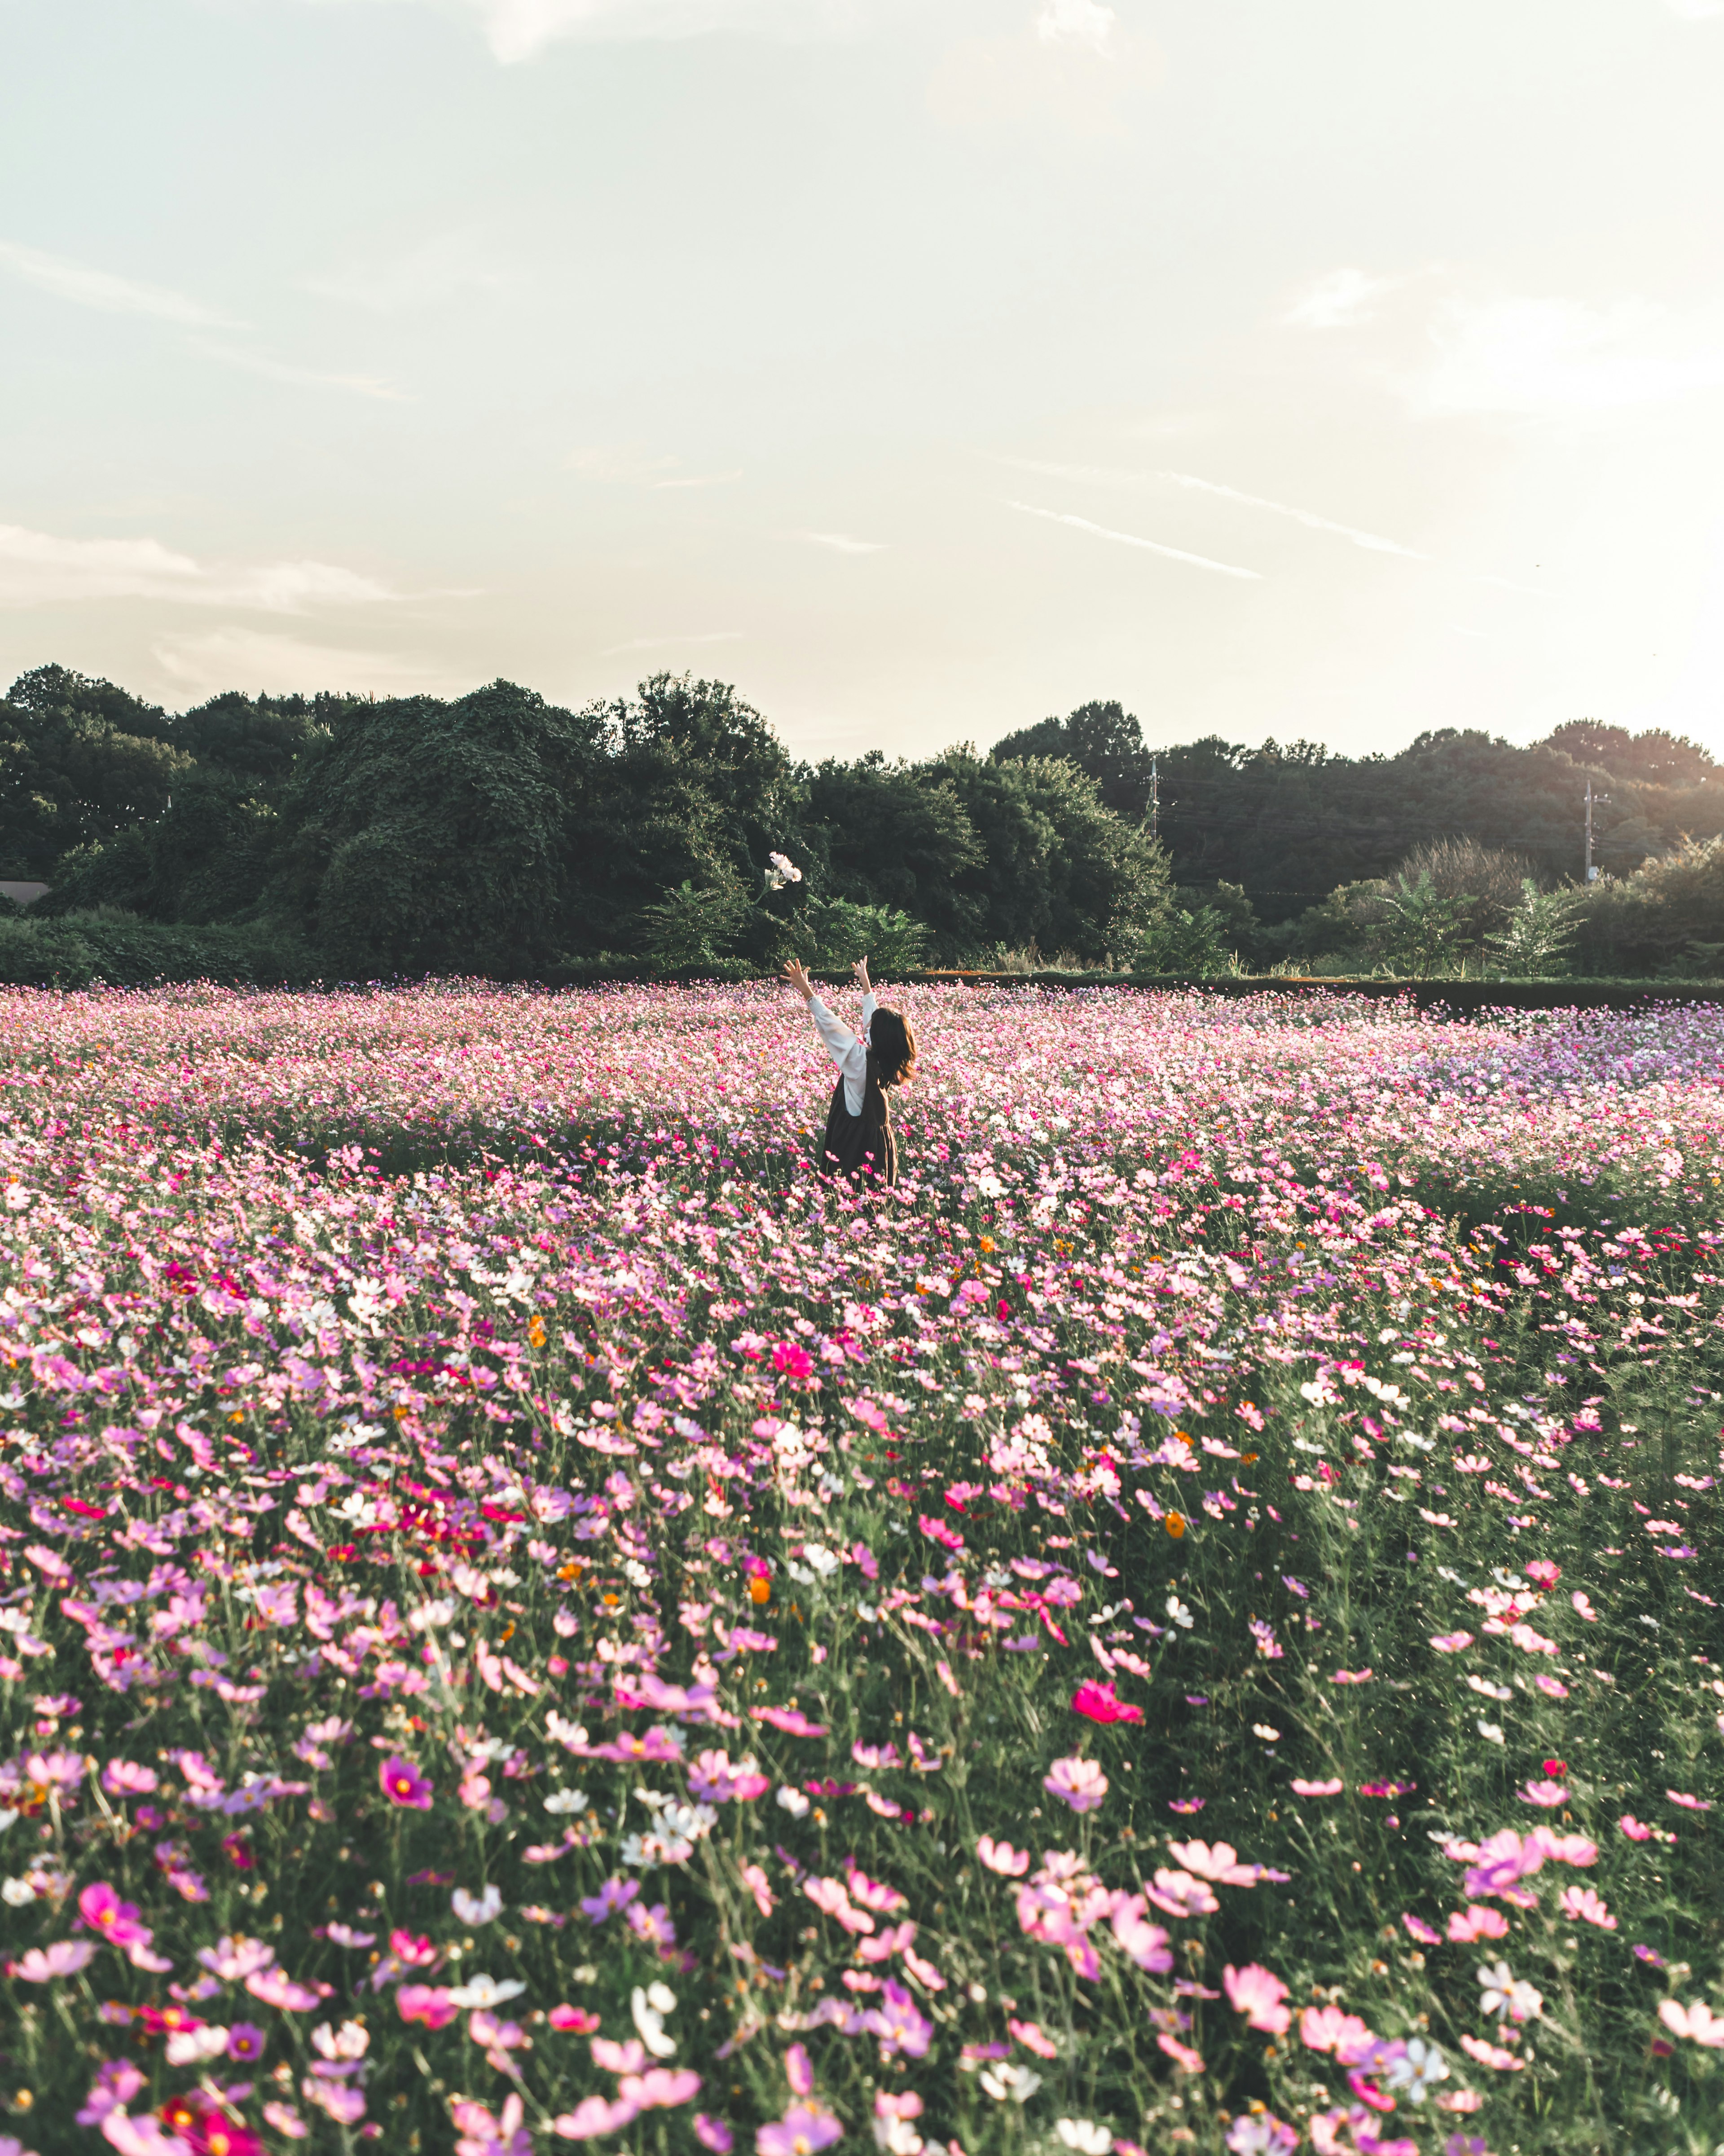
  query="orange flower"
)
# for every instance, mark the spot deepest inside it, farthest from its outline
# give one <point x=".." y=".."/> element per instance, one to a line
<point x="1175" y="1524"/>
<point x="760" y="1589"/>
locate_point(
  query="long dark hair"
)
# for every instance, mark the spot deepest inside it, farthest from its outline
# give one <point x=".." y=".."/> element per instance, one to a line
<point x="891" y="1049"/>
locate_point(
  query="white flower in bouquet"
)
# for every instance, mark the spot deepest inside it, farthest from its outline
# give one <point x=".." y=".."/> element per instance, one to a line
<point x="783" y="871"/>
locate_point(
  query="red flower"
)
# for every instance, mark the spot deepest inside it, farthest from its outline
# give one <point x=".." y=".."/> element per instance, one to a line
<point x="1097" y="1701"/>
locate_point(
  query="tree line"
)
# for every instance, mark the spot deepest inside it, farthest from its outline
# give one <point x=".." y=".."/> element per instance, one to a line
<point x="501" y="834"/>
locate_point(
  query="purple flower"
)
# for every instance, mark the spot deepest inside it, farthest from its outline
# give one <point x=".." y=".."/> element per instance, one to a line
<point x="803" y="2129"/>
<point x="246" y="2040"/>
<point x="899" y="2025"/>
<point x="404" y="1784"/>
<point x="615" y="1894"/>
<point x="713" y="2134"/>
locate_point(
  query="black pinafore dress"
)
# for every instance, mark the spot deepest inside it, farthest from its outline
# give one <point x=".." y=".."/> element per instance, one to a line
<point x="864" y="1144"/>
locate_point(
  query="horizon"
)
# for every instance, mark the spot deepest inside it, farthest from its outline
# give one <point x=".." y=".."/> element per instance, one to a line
<point x="935" y="370"/>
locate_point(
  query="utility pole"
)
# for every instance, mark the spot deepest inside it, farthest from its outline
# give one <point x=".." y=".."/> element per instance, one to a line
<point x="1155" y="800"/>
<point x="1592" y="874"/>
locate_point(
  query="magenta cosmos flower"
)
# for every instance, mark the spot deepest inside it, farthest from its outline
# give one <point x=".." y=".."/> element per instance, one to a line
<point x="404" y="1784"/>
<point x="1098" y="1703"/>
<point x="1079" y="1783"/>
<point x="803" y="2129"/>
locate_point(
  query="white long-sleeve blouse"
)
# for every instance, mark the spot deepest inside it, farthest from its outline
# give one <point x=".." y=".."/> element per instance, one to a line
<point x="846" y="1050"/>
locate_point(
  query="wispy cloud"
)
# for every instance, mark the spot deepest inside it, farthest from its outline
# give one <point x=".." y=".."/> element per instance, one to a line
<point x="38" y="568"/>
<point x="297" y="378"/>
<point x="210" y="661"/>
<point x="1131" y="539"/>
<point x="842" y="543"/>
<point x="1342" y="299"/>
<point x="660" y="643"/>
<point x="100" y="289"/>
<point x="1556" y="357"/>
<point x="1372" y="540"/>
<point x="1101" y="475"/>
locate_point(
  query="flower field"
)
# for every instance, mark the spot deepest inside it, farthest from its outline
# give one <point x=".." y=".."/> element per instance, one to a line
<point x="527" y="1620"/>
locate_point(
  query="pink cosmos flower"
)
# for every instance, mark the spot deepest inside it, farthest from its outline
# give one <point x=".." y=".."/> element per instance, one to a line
<point x="112" y="1919"/>
<point x="1029" y="2034"/>
<point x="1492" y="2055"/>
<point x="1351" y="1677"/>
<point x="1476" y="1922"/>
<point x="1545" y="1795"/>
<point x="404" y="1784"/>
<point x="1697" y="2023"/>
<point x="617" y="2058"/>
<point x="593" y="2116"/>
<point x="661" y="2088"/>
<point x="1257" y="1992"/>
<point x="1327" y="2029"/>
<point x="1097" y="1702"/>
<point x="1000" y="1856"/>
<point x="123" y="1778"/>
<point x="572" y="2020"/>
<point x="1689" y="1804"/>
<point x="1452" y="1643"/>
<point x="712" y="2133"/>
<point x="430" y="2004"/>
<point x="42" y="1964"/>
<point x="1633" y="1829"/>
<point x="276" y="1987"/>
<point x="1302" y="1788"/>
<point x="1187" y="2060"/>
<point x="1422" y="1931"/>
<point x="1583" y="1903"/>
<point x="1178" y="1894"/>
<point x="1220" y="1863"/>
<point x="1079" y="1783"/>
<point x="803" y="2128"/>
<point x="1139" y="1940"/>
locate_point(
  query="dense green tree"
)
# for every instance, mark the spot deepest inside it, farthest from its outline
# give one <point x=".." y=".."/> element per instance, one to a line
<point x="434" y="837"/>
<point x="1101" y="739"/>
<point x="80" y="760"/>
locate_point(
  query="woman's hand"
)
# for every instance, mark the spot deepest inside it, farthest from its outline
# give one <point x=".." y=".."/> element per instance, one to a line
<point x="796" y="974"/>
<point x="860" y="970"/>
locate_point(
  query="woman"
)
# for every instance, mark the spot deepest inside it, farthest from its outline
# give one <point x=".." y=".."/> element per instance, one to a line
<point x="858" y="1137"/>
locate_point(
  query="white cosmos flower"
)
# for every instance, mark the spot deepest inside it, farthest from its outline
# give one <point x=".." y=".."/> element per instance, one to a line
<point x="1262" y="1730"/>
<point x="648" y="2008"/>
<point x="793" y="1802"/>
<point x="1178" y="1612"/>
<point x="477" y="1908"/>
<point x="485" y="1991"/>
<point x="1491" y="1731"/>
<point x="566" y="1801"/>
<point x="1003" y="2082"/>
<point x="1084" y="2136"/>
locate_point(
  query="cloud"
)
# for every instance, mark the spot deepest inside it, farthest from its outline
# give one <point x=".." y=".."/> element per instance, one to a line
<point x="627" y="464"/>
<point x="298" y="377"/>
<point x="842" y="543"/>
<point x="1371" y="541"/>
<point x="1101" y="475"/>
<point x="38" y="569"/>
<point x="517" y="30"/>
<point x="110" y="295"/>
<point x="658" y="643"/>
<point x="1340" y="301"/>
<point x="1543" y="357"/>
<point x="205" y="664"/>
<point x="1076" y="23"/>
<point x="1130" y="539"/>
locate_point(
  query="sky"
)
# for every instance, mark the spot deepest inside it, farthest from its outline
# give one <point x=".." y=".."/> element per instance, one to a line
<point x="922" y="367"/>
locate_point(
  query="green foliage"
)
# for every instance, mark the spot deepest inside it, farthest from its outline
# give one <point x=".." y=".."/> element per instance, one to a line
<point x="104" y="945"/>
<point x="1194" y="944"/>
<point x="1535" y="941"/>
<point x="843" y="932"/>
<point x="1103" y="740"/>
<point x="691" y="925"/>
